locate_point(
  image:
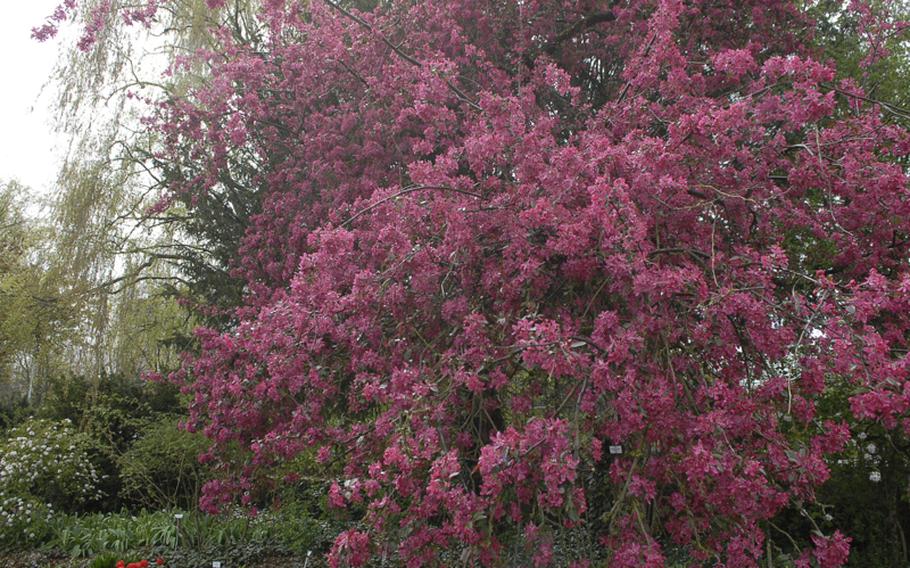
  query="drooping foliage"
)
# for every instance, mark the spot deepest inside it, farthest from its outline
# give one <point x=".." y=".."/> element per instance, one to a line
<point x="74" y="302"/>
<point x="97" y="290"/>
<point x="35" y="316"/>
<point x="112" y="67"/>
<point x="518" y="269"/>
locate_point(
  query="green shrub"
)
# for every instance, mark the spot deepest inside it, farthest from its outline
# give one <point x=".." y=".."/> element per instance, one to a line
<point x="115" y="403"/>
<point x="161" y="470"/>
<point x="113" y="411"/>
<point x="301" y="524"/>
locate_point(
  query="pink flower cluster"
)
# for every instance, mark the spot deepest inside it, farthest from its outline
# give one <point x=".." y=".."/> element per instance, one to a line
<point x="50" y="28"/>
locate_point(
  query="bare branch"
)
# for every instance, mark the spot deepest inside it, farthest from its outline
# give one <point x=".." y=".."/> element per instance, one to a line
<point x="405" y="191"/>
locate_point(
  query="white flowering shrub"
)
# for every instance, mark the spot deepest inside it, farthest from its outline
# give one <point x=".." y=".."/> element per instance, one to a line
<point x="44" y="465"/>
<point x="24" y="520"/>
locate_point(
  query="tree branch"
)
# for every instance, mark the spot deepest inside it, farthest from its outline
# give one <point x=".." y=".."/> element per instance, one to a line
<point x="588" y="21"/>
<point x="401" y="53"/>
<point x="405" y="191"/>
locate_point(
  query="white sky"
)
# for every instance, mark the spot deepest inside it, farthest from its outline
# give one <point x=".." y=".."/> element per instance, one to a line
<point x="27" y="141"/>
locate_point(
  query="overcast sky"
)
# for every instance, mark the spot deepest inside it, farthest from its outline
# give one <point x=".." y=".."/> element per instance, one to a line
<point x="26" y="140"/>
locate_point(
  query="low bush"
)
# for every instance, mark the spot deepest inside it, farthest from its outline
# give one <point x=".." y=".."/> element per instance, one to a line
<point x="44" y="466"/>
<point x="304" y="524"/>
<point x="50" y="461"/>
<point x="161" y="470"/>
<point x="24" y="521"/>
<point x="114" y="412"/>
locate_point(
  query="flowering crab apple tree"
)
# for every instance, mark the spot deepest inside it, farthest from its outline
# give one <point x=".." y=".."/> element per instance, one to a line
<point x="522" y="268"/>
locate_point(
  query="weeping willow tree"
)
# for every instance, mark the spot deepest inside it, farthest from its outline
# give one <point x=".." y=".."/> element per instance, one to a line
<point x="36" y="317"/>
<point x="95" y="287"/>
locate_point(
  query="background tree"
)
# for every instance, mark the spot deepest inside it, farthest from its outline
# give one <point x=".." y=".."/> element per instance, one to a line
<point x="36" y="313"/>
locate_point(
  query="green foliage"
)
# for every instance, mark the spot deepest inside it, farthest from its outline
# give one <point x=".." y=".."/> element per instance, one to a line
<point x="200" y="531"/>
<point x="118" y="533"/>
<point x="35" y="314"/>
<point x="247" y="555"/>
<point x="300" y="530"/>
<point x="113" y="411"/>
<point x="161" y="469"/>
<point x="303" y="522"/>
<point x="108" y="560"/>
<point x="866" y="495"/>
<point x="839" y="36"/>
<point x="149" y="330"/>
<point x="73" y="299"/>
<point x="200" y="537"/>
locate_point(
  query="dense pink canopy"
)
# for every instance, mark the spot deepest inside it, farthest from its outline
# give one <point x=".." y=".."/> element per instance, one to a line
<point x="540" y="265"/>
